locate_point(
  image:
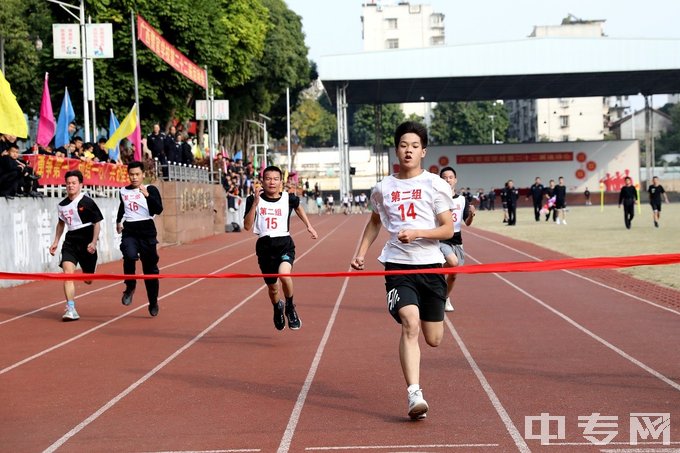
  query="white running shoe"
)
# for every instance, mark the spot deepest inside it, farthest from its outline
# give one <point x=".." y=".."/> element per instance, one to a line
<point x="70" y="314"/>
<point x="564" y="222"/>
<point x="417" y="406"/>
<point x="448" y="306"/>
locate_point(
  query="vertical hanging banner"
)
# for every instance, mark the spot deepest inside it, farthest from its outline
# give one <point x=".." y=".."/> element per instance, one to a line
<point x="66" y="40"/>
<point x="167" y="52"/>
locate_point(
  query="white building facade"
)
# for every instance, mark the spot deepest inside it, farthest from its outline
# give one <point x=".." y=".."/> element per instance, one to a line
<point x="564" y="119"/>
<point x="402" y="25"/>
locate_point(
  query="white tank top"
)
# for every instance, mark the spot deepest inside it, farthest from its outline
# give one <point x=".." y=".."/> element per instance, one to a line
<point x="70" y="216"/>
<point x="271" y="217"/>
<point x="411" y="204"/>
<point x="457" y="212"/>
<point x="136" y="207"/>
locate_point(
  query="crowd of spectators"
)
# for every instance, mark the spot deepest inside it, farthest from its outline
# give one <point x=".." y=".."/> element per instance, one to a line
<point x="238" y="180"/>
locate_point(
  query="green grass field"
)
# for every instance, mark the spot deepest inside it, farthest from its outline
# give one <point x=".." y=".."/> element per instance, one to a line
<point x="592" y="232"/>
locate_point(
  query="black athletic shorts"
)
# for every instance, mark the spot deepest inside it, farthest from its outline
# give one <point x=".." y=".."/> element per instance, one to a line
<point x="76" y="253"/>
<point x="560" y="204"/>
<point x="655" y="206"/>
<point x="427" y="291"/>
<point x="271" y="252"/>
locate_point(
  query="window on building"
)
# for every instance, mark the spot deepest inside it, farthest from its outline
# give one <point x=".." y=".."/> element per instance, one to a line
<point x="437" y="41"/>
<point x="564" y="121"/>
<point x="392" y="44"/>
<point x="391" y="24"/>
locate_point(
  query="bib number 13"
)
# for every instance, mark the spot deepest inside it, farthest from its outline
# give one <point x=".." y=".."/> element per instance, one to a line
<point x="407" y="210"/>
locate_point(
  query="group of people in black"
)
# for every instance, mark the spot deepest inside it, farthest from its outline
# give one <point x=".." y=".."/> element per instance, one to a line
<point x="172" y="147"/>
<point x="629" y="196"/>
<point x="552" y="200"/>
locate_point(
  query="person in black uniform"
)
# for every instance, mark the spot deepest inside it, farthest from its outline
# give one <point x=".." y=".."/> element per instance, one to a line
<point x="504" y="202"/>
<point x="156" y="142"/>
<point x="655" y="191"/>
<point x="549" y="193"/>
<point x="138" y="205"/>
<point x="536" y="192"/>
<point x="560" y="200"/>
<point x="81" y="217"/>
<point x="511" y="196"/>
<point x="268" y="212"/>
<point x="628" y="197"/>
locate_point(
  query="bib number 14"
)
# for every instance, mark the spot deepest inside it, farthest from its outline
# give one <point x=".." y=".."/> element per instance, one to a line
<point x="407" y="210"/>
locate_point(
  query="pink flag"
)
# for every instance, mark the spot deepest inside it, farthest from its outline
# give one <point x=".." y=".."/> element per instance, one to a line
<point x="47" y="125"/>
<point x="136" y="139"/>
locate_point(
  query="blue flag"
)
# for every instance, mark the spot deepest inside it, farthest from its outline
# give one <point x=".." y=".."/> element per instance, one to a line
<point x="66" y="115"/>
<point x="113" y="125"/>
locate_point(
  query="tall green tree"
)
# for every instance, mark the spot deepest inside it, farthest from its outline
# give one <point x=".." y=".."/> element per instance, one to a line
<point x="669" y="141"/>
<point x="468" y="123"/>
<point x="315" y="125"/>
<point x="362" y="132"/>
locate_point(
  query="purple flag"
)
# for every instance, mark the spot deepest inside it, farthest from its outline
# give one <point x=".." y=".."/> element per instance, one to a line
<point x="47" y="125"/>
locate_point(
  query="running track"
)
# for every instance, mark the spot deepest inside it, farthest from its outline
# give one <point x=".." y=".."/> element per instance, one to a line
<point x="211" y="374"/>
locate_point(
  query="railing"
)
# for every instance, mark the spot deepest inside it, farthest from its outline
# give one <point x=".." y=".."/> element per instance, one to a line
<point x="174" y="171"/>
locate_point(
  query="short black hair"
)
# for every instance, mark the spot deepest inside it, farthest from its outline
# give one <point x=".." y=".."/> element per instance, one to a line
<point x="135" y="164"/>
<point x="272" y="168"/>
<point x="410" y="127"/>
<point x="441" y="173"/>
<point x="76" y="173"/>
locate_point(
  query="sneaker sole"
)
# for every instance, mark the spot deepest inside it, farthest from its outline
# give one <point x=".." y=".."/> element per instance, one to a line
<point x="297" y="327"/>
<point x="70" y="319"/>
<point x="419" y="411"/>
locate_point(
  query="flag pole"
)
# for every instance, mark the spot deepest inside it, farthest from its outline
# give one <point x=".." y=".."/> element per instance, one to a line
<point x="134" y="71"/>
<point x="208" y="122"/>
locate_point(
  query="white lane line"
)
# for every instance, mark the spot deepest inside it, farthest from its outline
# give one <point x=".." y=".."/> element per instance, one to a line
<point x="591" y="334"/>
<point x="82" y="425"/>
<point x="502" y="413"/>
<point x="94" y="291"/>
<point x="398" y="447"/>
<point x="595" y="282"/>
<point x="233" y="450"/>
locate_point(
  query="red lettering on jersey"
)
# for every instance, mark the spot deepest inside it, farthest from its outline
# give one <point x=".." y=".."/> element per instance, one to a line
<point x="263" y="211"/>
<point x="396" y="196"/>
<point x="417" y="194"/>
<point x="277" y="212"/>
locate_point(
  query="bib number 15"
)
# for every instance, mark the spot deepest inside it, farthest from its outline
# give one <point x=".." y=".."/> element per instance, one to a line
<point x="407" y="210"/>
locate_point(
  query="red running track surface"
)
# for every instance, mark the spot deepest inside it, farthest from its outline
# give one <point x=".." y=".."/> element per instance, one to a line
<point x="211" y="373"/>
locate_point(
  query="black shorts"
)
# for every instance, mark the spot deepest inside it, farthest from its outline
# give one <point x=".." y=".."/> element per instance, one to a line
<point x="271" y="252"/>
<point x="426" y="291"/>
<point x="559" y="204"/>
<point x="76" y="253"/>
<point x="655" y="206"/>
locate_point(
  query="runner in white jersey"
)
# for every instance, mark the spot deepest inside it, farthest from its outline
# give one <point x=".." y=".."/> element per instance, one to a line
<point x="81" y="216"/>
<point x="139" y="203"/>
<point x="268" y="213"/>
<point x="452" y="248"/>
<point x="414" y="206"/>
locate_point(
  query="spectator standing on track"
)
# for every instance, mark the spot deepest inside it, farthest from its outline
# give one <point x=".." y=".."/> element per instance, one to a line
<point x="452" y="248"/>
<point x="628" y="197"/>
<point x="511" y="197"/>
<point x="81" y="217"/>
<point x="550" y="193"/>
<point x="655" y="191"/>
<point x="268" y="212"/>
<point x="561" y="200"/>
<point x="138" y="204"/>
<point x="536" y="192"/>
<point x="586" y="194"/>
<point x="415" y="207"/>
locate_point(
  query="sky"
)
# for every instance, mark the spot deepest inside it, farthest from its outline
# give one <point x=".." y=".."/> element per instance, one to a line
<point x="334" y="26"/>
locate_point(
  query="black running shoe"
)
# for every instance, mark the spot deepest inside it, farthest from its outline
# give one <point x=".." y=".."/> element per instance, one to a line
<point x="294" y="322"/>
<point x="127" y="296"/>
<point x="153" y="308"/>
<point x="279" y="320"/>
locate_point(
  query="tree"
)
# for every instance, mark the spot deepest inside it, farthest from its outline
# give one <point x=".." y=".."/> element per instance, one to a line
<point x="669" y="141"/>
<point x="315" y="125"/>
<point x="468" y="123"/>
<point x="362" y="132"/>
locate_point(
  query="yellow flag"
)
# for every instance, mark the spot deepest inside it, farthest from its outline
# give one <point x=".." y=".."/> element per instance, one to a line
<point x="12" y="121"/>
<point x="126" y="128"/>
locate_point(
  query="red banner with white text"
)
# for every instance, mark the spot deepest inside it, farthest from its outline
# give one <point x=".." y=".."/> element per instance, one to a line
<point x="52" y="170"/>
<point x="167" y="52"/>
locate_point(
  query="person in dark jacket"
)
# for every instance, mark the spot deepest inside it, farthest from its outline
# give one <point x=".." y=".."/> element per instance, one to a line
<point x="536" y="192"/>
<point x="627" y="197"/>
<point x="511" y="196"/>
<point x="139" y="203"/>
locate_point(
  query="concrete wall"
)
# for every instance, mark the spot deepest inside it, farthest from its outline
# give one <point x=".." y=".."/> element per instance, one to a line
<point x="191" y="211"/>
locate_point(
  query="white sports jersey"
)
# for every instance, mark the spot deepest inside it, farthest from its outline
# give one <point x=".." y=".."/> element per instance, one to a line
<point x="271" y="217"/>
<point x="457" y="212"/>
<point x="412" y="203"/>
<point x="136" y="206"/>
<point x="70" y="216"/>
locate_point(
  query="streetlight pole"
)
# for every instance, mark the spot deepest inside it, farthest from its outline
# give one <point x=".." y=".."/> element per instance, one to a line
<point x="493" y="130"/>
<point x="81" y="20"/>
<point x="263" y="126"/>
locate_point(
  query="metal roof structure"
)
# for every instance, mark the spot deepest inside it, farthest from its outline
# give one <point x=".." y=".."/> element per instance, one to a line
<point x="529" y="68"/>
